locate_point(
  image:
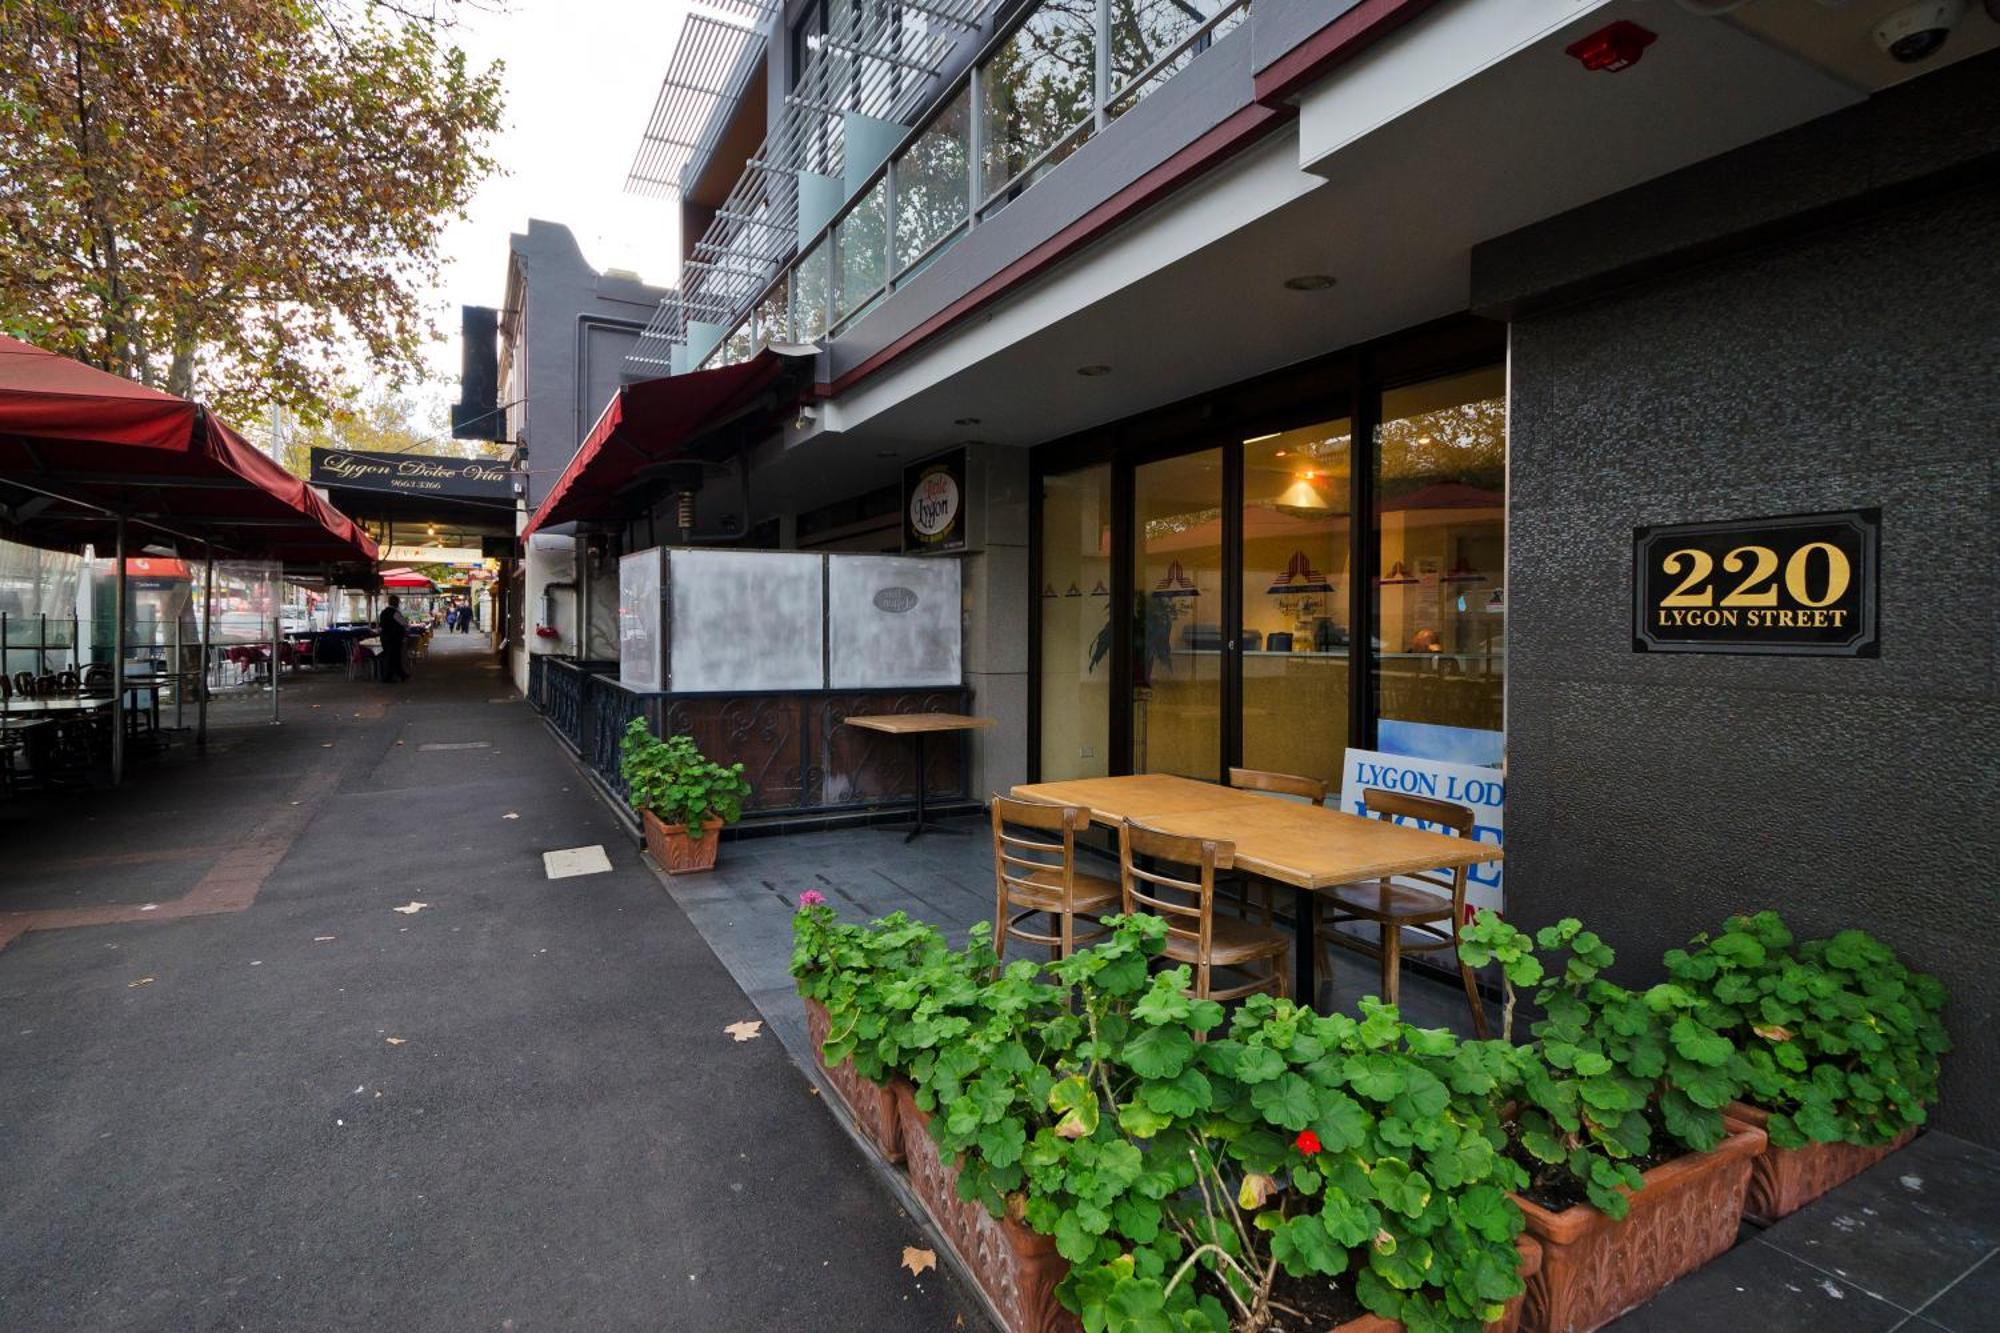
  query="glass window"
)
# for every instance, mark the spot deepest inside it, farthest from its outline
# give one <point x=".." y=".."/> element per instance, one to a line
<point x="812" y="275"/>
<point x="736" y="347"/>
<point x="1295" y="642"/>
<point x="1076" y="624"/>
<point x="1177" y="645"/>
<point x="1441" y="534"/>
<point x="931" y="183"/>
<point x="1038" y="87"/>
<point x="774" y="322"/>
<point x="861" y="252"/>
<point x="1144" y="31"/>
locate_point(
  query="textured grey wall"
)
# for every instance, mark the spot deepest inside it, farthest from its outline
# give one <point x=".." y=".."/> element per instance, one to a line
<point x="1654" y="794"/>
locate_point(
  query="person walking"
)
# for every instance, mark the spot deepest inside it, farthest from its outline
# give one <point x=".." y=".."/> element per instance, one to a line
<point x="394" y="628"/>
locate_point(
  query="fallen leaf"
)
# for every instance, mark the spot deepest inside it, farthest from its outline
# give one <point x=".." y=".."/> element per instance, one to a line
<point x="326" y="745"/>
<point x="399" y="742"/>
<point x="150" y="907"/>
<point x="510" y="815"/>
<point x="748" y="1030"/>
<point x="917" y="1260"/>
<point x="321" y="939"/>
<point x="1771" y="1032"/>
<point x="411" y="908"/>
<point x="147" y="981"/>
<point x="397" y="1041"/>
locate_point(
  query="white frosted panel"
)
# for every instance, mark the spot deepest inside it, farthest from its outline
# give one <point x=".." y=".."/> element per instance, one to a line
<point x="639" y="639"/>
<point x="893" y="620"/>
<point x="746" y="620"/>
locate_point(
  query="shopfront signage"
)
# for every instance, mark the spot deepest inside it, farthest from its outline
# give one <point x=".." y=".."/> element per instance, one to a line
<point x="934" y="504"/>
<point x="1482" y="790"/>
<point x="1804" y="584"/>
<point x="412" y="474"/>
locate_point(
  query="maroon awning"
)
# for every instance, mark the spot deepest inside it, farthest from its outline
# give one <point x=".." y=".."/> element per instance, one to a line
<point x="75" y="442"/>
<point x="647" y="423"/>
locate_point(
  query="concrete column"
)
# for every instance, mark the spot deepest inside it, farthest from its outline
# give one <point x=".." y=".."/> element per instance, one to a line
<point x="998" y="603"/>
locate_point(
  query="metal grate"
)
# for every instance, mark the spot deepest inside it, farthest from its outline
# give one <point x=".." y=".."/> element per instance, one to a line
<point x="698" y="79"/>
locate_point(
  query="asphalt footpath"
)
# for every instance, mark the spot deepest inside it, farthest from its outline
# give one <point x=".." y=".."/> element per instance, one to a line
<point x="299" y="1034"/>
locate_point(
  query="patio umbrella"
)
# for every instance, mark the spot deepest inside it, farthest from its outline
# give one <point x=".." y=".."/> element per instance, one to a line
<point x="81" y="449"/>
<point x="405" y="578"/>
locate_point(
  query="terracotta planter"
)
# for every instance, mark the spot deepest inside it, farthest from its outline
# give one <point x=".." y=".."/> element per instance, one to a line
<point x="675" y="852"/>
<point x="1531" y="1263"/>
<point x="872" y="1105"/>
<point x="1784" y="1180"/>
<point x="1016" y="1268"/>
<point x="1595" y="1269"/>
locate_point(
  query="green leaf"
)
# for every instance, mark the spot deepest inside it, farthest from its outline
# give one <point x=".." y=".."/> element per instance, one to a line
<point x="1075" y="1101"/>
<point x="1342" y="1123"/>
<point x="1348" y="1220"/>
<point x="1258" y="1064"/>
<point x="1160" y="1052"/>
<point x="1287" y="1100"/>
<point x="1376" y="1076"/>
<point x="1302" y="1248"/>
<point x="1489" y="1212"/>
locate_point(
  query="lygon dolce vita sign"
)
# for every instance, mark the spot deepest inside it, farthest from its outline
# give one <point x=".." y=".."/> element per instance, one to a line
<point x="1804" y="584"/>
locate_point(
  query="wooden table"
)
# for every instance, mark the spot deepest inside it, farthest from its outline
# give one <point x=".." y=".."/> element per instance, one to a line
<point x="921" y="726"/>
<point x="1306" y="846"/>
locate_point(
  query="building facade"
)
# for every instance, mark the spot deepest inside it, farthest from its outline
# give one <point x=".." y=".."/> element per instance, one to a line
<point x="1322" y="371"/>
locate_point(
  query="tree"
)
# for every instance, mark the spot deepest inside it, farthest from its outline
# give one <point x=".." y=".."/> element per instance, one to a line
<point x="230" y="198"/>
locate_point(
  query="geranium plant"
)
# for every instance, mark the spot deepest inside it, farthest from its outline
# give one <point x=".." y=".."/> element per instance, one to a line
<point x="1841" y="1041"/>
<point x="1187" y="1175"/>
<point x="1614" y="1078"/>
<point x="676" y="782"/>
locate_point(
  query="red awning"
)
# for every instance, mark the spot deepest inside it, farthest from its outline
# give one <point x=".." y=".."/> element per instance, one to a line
<point x="646" y="423"/>
<point x="89" y="438"/>
<point x="405" y="578"/>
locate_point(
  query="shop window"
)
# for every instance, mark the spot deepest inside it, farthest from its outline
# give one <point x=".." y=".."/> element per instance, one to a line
<point x="1076" y="624"/>
<point x="1179" y="632"/>
<point x="1441" y="548"/>
<point x="1296" y="646"/>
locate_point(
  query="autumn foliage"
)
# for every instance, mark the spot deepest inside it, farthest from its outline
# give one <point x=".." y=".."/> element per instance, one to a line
<point x="239" y="200"/>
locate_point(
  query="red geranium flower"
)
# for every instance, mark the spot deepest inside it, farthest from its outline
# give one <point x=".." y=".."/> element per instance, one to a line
<point x="1307" y="1143"/>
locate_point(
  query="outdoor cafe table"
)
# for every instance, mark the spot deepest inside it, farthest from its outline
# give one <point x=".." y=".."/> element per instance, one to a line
<point x="1306" y="846"/>
<point x="919" y="725"/>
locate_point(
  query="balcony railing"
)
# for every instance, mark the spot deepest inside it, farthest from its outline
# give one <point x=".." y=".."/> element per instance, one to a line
<point x="768" y="271"/>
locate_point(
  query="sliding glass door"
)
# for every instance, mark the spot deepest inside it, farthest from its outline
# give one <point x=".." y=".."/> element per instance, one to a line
<point x="1221" y="606"/>
<point x="1180" y="629"/>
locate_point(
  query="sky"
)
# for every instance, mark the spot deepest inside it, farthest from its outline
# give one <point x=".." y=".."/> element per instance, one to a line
<point x="581" y="78"/>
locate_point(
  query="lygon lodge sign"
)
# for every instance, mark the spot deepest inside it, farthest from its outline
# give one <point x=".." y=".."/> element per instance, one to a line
<point x="1805" y="584"/>
<point x="412" y="474"/>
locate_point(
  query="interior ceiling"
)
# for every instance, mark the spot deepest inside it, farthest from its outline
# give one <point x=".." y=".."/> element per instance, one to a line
<point x="1395" y="223"/>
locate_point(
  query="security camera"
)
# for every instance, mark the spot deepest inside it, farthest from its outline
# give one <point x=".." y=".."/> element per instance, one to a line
<point x="1916" y="32"/>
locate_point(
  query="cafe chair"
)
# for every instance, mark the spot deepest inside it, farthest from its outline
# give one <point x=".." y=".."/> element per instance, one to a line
<point x="97" y="678"/>
<point x="1037" y="875"/>
<point x="1432" y="913"/>
<point x="1195" y="934"/>
<point x="24" y="684"/>
<point x="67" y="683"/>
<point x="1249" y="893"/>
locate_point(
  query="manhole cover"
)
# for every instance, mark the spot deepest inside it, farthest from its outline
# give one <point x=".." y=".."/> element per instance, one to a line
<point x="454" y="745"/>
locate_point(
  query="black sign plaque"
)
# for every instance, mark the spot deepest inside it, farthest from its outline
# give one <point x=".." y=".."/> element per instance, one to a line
<point x="934" y="504"/>
<point x="413" y="474"/>
<point x="1803" y="585"/>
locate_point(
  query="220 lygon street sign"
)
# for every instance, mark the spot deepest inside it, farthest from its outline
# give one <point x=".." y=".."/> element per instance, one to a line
<point x="1804" y="584"/>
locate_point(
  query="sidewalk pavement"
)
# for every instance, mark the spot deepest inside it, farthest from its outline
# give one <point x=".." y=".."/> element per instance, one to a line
<point x="243" y="1090"/>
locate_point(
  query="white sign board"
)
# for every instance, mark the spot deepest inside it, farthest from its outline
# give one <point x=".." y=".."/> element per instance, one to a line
<point x="1482" y="790"/>
<point x="431" y="555"/>
<point x="893" y="621"/>
<point x="639" y="640"/>
<point x="745" y="620"/>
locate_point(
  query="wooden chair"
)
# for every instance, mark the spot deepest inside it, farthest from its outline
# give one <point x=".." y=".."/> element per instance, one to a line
<point x="1433" y="913"/>
<point x="1035" y="876"/>
<point x="1195" y="934"/>
<point x="1247" y="892"/>
<point x="24" y="684"/>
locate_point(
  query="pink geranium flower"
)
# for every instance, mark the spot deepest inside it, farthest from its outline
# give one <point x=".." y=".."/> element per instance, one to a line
<point x="812" y="898"/>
